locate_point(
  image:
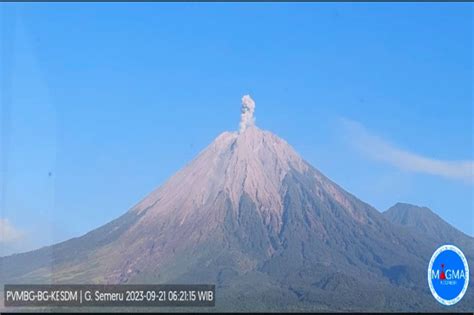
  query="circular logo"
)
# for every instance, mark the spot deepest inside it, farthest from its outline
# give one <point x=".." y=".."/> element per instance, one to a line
<point x="448" y="275"/>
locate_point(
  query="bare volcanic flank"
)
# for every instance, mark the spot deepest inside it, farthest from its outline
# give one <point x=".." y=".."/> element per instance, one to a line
<point x="254" y="162"/>
<point x="251" y="216"/>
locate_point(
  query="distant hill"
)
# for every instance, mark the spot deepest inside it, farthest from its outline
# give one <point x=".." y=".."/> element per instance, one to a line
<point x="424" y="221"/>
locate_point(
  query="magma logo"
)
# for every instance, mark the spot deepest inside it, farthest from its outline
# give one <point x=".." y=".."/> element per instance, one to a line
<point x="448" y="275"/>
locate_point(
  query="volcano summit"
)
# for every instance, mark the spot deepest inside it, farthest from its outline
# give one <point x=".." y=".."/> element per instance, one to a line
<point x="273" y="233"/>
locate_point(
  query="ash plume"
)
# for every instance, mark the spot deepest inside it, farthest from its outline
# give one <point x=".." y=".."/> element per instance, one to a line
<point x="246" y="117"/>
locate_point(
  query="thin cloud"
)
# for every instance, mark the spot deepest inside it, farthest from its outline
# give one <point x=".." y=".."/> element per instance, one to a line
<point x="9" y="233"/>
<point x="379" y="149"/>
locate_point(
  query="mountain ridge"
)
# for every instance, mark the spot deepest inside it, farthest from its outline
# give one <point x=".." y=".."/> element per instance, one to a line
<point x="250" y="215"/>
<point x="424" y="220"/>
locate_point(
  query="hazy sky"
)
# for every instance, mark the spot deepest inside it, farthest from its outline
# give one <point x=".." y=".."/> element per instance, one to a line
<point x="101" y="103"/>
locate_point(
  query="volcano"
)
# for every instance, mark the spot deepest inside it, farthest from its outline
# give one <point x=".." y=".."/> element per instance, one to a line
<point x="272" y="232"/>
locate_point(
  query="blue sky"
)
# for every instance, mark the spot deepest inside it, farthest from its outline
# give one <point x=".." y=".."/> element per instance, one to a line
<point x="101" y="103"/>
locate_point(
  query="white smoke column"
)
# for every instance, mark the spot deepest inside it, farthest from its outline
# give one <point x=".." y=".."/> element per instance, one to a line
<point x="246" y="117"/>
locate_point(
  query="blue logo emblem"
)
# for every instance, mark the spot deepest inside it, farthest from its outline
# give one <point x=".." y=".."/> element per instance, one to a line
<point x="448" y="275"/>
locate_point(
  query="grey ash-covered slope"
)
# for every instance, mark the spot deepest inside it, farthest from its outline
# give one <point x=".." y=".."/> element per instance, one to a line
<point x="272" y="232"/>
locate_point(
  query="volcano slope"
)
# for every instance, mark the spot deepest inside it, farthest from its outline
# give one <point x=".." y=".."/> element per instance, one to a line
<point x="272" y="232"/>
